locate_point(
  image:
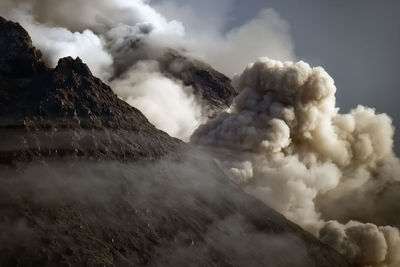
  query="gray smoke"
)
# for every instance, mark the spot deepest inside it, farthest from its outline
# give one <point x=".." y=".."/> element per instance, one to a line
<point x="287" y="144"/>
<point x="229" y="50"/>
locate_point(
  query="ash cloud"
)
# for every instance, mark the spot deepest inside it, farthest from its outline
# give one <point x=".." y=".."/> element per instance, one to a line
<point x="113" y="36"/>
<point x="286" y="143"/>
<point x="168" y="104"/>
<point x="229" y="51"/>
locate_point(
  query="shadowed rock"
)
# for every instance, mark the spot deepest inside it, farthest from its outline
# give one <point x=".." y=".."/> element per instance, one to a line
<point x="66" y="110"/>
<point x="65" y="209"/>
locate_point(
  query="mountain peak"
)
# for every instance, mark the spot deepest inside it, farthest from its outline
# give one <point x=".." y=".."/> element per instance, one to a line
<point x="18" y="57"/>
<point x="65" y="111"/>
<point x="66" y="66"/>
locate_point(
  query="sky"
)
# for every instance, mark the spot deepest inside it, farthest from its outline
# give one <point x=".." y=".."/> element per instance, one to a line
<point x="357" y="42"/>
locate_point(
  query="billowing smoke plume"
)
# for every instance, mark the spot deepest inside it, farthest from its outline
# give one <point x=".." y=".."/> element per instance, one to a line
<point x="113" y="36"/>
<point x="334" y="174"/>
<point x="230" y="51"/>
<point x="57" y="42"/>
<point x="112" y="46"/>
<point x="168" y="104"/>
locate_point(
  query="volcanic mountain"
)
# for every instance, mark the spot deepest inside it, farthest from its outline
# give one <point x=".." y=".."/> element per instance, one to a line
<point x="210" y="86"/>
<point x="87" y="180"/>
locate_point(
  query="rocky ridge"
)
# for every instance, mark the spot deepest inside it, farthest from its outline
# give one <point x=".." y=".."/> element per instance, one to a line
<point x="64" y="209"/>
<point x="66" y="110"/>
<point x="211" y="87"/>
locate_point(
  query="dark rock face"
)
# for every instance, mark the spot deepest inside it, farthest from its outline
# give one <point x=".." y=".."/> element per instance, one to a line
<point x="211" y="87"/>
<point x="65" y="111"/>
<point x="64" y="209"/>
<point x="18" y="58"/>
<point x="156" y="214"/>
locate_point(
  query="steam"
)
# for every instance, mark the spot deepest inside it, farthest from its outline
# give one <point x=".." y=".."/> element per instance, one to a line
<point x="286" y="143"/>
<point x="230" y="51"/>
<point x="113" y="36"/>
<point x="266" y="34"/>
<point x="168" y="104"/>
<point x="56" y="43"/>
<point x="111" y="55"/>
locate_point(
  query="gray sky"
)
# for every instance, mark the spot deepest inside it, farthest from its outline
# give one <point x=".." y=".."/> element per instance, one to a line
<point x="357" y="42"/>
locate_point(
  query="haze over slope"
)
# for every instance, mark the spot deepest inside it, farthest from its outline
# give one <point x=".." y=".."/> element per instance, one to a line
<point x="82" y="182"/>
<point x="283" y="139"/>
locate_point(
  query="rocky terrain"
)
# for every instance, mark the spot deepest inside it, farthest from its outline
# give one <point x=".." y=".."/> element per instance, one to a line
<point x="210" y="86"/>
<point x="97" y="185"/>
<point x="66" y="110"/>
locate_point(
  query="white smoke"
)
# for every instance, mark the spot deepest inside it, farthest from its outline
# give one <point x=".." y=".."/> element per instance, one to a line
<point x="57" y="42"/>
<point x="111" y="55"/>
<point x="266" y="34"/>
<point x="111" y="36"/>
<point x="230" y="51"/>
<point x="168" y="104"/>
<point x="286" y="143"/>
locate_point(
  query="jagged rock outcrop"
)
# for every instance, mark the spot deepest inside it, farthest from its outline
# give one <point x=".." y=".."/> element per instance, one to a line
<point x="65" y="111"/>
<point x="60" y="211"/>
<point x="211" y="87"/>
<point x="18" y="58"/>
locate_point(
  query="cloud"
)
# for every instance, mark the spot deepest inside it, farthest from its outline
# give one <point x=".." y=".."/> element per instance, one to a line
<point x="168" y="104"/>
<point x="284" y="141"/>
<point x="113" y="36"/>
<point x="229" y="50"/>
<point x="108" y="47"/>
<point x="57" y="42"/>
<point x="192" y="15"/>
<point x="265" y="35"/>
<point x="119" y="22"/>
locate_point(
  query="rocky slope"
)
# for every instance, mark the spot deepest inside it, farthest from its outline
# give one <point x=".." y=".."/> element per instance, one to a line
<point x="66" y="110"/>
<point x="211" y="87"/>
<point x="158" y="214"/>
<point x="64" y="209"/>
